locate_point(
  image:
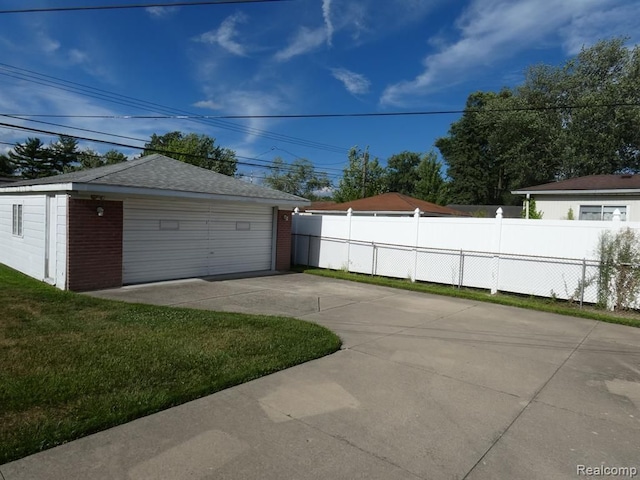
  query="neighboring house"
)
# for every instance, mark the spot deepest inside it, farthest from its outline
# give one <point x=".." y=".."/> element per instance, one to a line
<point x="489" y="211"/>
<point x="387" y="204"/>
<point x="145" y="220"/>
<point x="594" y="197"/>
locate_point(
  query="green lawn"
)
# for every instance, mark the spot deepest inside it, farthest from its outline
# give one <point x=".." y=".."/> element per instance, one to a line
<point x="72" y="364"/>
<point x="533" y="303"/>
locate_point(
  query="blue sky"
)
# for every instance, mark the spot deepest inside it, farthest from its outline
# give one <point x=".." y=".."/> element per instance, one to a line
<point x="295" y="57"/>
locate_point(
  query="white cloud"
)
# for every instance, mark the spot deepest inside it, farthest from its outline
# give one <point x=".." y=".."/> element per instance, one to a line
<point x="159" y="12"/>
<point x="77" y="56"/>
<point x="355" y="83"/>
<point x="326" y="14"/>
<point x="225" y="35"/>
<point x="233" y="100"/>
<point x="586" y="29"/>
<point x="491" y="30"/>
<point x="209" y="104"/>
<point x="304" y="41"/>
<point x="47" y="44"/>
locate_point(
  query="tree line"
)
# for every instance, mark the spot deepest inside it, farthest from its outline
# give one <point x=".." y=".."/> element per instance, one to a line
<point x="580" y="118"/>
<point x="34" y="159"/>
<point x="410" y="173"/>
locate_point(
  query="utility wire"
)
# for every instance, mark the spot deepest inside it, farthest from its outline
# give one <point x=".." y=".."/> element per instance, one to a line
<point x="93" y="92"/>
<point x="334" y="115"/>
<point x="142" y="139"/>
<point x="161" y="151"/>
<point x="135" y="5"/>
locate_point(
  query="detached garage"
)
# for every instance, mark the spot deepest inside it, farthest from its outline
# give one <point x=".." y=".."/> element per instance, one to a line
<point x="145" y="220"/>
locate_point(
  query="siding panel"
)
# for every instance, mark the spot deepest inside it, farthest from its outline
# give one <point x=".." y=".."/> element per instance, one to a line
<point x="205" y="239"/>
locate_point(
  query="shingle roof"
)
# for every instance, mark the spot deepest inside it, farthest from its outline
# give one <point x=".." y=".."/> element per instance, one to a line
<point x="391" y="202"/>
<point x="590" y="182"/>
<point x="163" y="173"/>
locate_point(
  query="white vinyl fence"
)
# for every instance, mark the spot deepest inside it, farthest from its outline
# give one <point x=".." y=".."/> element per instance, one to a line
<point x="547" y="258"/>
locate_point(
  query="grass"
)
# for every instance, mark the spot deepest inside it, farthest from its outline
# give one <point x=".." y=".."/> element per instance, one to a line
<point x="73" y="365"/>
<point x="532" y="303"/>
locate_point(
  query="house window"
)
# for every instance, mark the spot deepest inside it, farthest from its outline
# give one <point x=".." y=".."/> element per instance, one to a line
<point x="17" y="220"/>
<point x="602" y="212"/>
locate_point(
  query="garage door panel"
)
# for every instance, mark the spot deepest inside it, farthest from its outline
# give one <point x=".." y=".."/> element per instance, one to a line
<point x="202" y="239"/>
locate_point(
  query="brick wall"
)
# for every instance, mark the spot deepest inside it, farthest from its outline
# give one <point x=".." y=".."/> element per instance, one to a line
<point x="94" y="253"/>
<point x="283" y="241"/>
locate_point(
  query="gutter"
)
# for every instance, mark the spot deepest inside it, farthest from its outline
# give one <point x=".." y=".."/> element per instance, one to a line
<point x="146" y="192"/>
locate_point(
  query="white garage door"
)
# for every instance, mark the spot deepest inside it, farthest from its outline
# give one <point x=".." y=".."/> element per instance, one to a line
<point x="165" y="240"/>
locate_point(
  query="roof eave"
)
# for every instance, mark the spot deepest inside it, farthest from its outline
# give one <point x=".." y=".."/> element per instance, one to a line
<point x="155" y="192"/>
<point x="611" y="191"/>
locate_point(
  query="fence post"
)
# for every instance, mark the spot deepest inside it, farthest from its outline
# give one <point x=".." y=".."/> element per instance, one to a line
<point x="373" y="259"/>
<point x="416" y="216"/>
<point x="461" y="269"/>
<point x="294" y="221"/>
<point x="349" y="215"/>
<point x="582" y="282"/>
<point x="497" y="238"/>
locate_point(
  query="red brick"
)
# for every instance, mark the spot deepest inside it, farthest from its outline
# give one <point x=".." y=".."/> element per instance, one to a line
<point x="94" y="246"/>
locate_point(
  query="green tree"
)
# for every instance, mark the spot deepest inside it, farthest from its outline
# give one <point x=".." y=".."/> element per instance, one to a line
<point x="298" y="178"/>
<point x="6" y="167"/>
<point x="401" y="175"/>
<point x="361" y="178"/>
<point x="113" y="156"/>
<point x="199" y="150"/>
<point x="31" y="159"/>
<point x="63" y="154"/>
<point x="430" y="184"/>
<point x="580" y="118"/>
<point x="476" y="176"/>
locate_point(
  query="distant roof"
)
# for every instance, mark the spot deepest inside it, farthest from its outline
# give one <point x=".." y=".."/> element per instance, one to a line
<point x="391" y="202"/>
<point x="157" y="173"/>
<point x="317" y="205"/>
<point x="590" y="183"/>
<point x="8" y="180"/>
<point x="489" y="211"/>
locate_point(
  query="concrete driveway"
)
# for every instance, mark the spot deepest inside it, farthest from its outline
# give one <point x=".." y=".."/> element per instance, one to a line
<point x="426" y="387"/>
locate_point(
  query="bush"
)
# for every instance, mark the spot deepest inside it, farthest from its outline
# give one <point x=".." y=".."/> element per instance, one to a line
<point x="619" y="273"/>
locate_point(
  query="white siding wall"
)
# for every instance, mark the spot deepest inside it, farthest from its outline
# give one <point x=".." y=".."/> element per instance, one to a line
<point x="206" y="241"/>
<point x="61" y="242"/>
<point x="557" y="207"/>
<point x="26" y="253"/>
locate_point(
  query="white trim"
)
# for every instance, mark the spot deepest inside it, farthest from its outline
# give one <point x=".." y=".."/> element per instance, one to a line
<point x="615" y="191"/>
<point x="274" y="237"/>
<point x="156" y="192"/>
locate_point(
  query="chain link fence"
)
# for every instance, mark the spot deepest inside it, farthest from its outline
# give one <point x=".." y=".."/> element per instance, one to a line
<point x="574" y="280"/>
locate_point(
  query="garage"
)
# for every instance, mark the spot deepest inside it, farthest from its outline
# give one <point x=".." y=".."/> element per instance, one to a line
<point x="181" y="239"/>
<point x="145" y="220"/>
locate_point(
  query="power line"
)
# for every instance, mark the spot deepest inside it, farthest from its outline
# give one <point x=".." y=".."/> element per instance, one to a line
<point x="94" y="92"/>
<point x="141" y="139"/>
<point x="332" y="115"/>
<point x="136" y="5"/>
<point x="161" y="151"/>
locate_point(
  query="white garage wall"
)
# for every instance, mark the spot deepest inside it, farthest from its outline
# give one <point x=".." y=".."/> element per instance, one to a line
<point x="25" y="253"/>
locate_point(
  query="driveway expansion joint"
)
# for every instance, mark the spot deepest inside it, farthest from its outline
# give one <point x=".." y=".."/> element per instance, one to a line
<point x="532" y="400"/>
